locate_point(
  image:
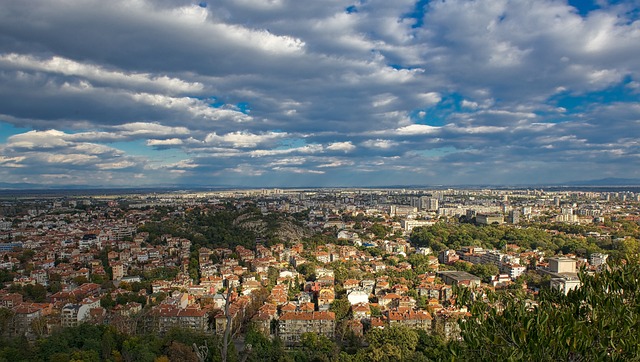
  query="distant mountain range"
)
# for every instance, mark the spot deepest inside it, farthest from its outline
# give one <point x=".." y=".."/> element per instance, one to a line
<point x="611" y="181"/>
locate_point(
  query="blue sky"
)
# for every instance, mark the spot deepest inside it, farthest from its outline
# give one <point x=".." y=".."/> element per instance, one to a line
<point x="270" y="93"/>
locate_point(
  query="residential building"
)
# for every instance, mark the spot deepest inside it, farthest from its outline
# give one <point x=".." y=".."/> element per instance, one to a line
<point x="164" y="317"/>
<point x="598" y="259"/>
<point x="565" y="283"/>
<point x="413" y="319"/>
<point x="73" y="314"/>
<point x="453" y="277"/>
<point x="562" y="265"/>
<point x="291" y="325"/>
<point x="488" y="219"/>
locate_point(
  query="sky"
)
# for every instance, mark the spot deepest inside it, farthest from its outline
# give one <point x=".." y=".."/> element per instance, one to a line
<point x="297" y="93"/>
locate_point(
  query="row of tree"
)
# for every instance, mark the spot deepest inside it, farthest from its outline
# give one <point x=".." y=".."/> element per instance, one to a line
<point x="441" y="236"/>
<point x="104" y="343"/>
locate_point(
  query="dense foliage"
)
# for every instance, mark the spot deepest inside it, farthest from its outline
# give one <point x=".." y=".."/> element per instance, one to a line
<point x="203" y="227"/>
<point x="102" y="343"/>
<point x="597" y="322"/>
<point x="553" y="238"/>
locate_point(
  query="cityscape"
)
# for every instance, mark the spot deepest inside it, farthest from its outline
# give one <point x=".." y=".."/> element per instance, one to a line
<point x="289" y="263"/>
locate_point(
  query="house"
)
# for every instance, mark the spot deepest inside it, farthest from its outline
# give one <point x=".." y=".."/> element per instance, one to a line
<point x="23" y="316"/>
<point x="323" y="257"/>
<point x="262" y="319"/>
<point x="10" y="300"/>
<point x="400" y="289"/>
<point x="164" y="317"/>
<point x="378" y="266"/>
<point x="565" y="283"/>
<point x="73" y="314"/>
<point x="452" y="277"/>
<point x="406" y="302"/>
<point x="292" y="325"/>
<point x="436" y="291"/>
<point x="249" y="286"/>
<point x="361" y="311"/>
<point x="500" y="280"/>
<point x="213" y="282"/>
<point x="326" y="296"/>
<point x="262" y="322"/>
<point x="448" y="256"/>
<point x="350" y="284"/>
<point x="513" y="270"/>
<point x="368" y="285"/>
<point x="389" y="300"/>
<point x="306" y="307"/>
<point x="413" y="319"/>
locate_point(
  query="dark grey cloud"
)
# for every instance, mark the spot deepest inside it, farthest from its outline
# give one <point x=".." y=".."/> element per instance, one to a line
<point x="278" y="92"/>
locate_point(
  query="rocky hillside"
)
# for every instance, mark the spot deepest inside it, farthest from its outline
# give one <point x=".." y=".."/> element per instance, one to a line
<point x="273" y="226"/>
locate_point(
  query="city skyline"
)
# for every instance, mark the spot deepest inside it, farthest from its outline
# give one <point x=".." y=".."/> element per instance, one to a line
<point x="277" y="93"/>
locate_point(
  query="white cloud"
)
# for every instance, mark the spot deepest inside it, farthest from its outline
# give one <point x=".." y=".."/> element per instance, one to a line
<point x="38" y="139"/>
<point x="115" y="165"/>
<point x="151" y="129"/>
<point x="166" y="143"/>
<point x="469" y="104"/>
<point x="92" y="72"/>
<point x="476" y="129"/>
<point x="237" y="86"/>
<point x="337" y="163"/>
<point x="194" y="107"/>
<point x="341" y="146"/>
<point x="417" y="129"/>
<point x="379" y="143"/>
<point x="308" y="149"/>
<point x="244" y="139"/>
<point x="298" y="170"/>
<point x="430" y="98"/>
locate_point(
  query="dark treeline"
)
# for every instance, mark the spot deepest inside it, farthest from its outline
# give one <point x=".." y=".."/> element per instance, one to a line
<point x="104" y="343"/>
<point x="553" y="238"/>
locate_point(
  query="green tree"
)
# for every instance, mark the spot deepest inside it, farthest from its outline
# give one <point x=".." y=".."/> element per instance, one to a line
<point x="181" y="352"/>
<point x="107" y="301"/>
<point x="596" y="322"/>
<point x="6" y="316"/>
<point x="341" y="308"/>
<point x="379" y="230"/>
<point x="316" y="347"/>
<point x="263" y="348"/>
<point x="484" y="271"/>
<point x="462" y="265"/>
<point x="395" y="343"/>
<point x="137" y="349"/>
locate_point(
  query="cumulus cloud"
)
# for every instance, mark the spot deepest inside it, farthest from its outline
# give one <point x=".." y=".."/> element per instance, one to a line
<point x="245" y="91"/>
<point x="244" y="139"/>
<point x="341" y="146"/>
<point x="379" y="143"/>
<point x="96" y="73"/>
<point x="416" y="129"/>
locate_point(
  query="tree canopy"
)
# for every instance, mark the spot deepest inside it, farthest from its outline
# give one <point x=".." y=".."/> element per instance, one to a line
<point x="595" y="322"/>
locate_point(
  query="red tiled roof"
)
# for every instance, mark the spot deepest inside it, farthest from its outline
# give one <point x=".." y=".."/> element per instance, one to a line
<point x="409" y="315"/>
<point x="308" y="316"/>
